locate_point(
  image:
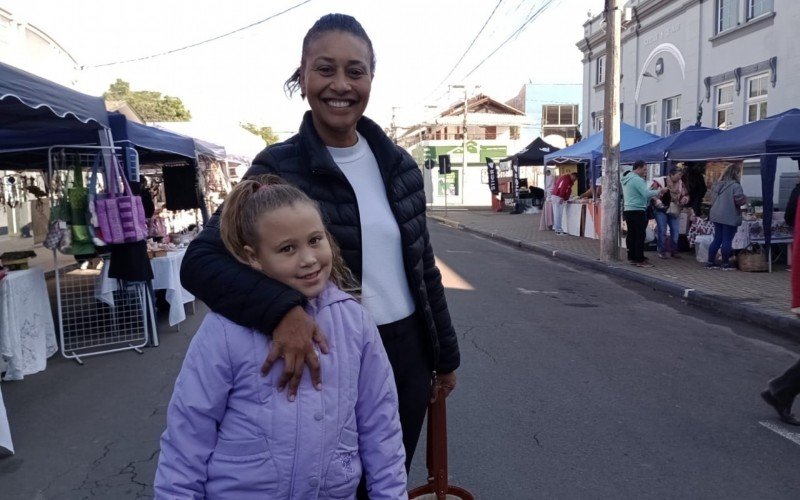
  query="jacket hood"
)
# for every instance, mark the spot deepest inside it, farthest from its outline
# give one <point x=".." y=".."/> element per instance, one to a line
<point x="628" y="178"/>
<point x="331" y="295"/>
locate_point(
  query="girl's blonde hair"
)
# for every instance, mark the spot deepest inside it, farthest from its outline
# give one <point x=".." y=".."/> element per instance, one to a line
<point x="252" y="198"/>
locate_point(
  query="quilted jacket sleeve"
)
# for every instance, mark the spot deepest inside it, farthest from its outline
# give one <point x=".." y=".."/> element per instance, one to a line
<point x="449" y="356"/>
<point x="197" y="406"/>
<point x="380" y="438"/>
<point x="230" y="288"/>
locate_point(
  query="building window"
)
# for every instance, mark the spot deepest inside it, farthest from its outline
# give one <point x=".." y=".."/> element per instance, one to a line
<point x="600" y="72"/>
<point x="559" y="114"/>
<point x="757" y="7"/>
<point x="723" y="105"/>
<point x="757" y="97"/>
<point x="598" y="120"/>
<point x="726" y="14"/>
<point x="649" y="117"/>
<point x="672" y="115"/>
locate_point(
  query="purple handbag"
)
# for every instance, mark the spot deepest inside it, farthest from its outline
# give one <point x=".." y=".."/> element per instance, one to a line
<point x="120" y="215"/>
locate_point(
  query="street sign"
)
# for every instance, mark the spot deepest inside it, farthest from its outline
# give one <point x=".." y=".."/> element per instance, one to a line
<point x="444" y="164"/>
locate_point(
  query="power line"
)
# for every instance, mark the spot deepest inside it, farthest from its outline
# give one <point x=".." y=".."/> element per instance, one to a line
<point x="273" y="16"/>
<point x="469" y="47"/>
<point x="515" y="33"/>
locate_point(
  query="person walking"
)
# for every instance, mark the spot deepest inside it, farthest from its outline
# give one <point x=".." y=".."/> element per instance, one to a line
<point x="727" y="196"/>
<point x="562" y="190"/>
<point x="636" y="197"/>
<point x="229" y="433"/>
<point x="371" y="194"/>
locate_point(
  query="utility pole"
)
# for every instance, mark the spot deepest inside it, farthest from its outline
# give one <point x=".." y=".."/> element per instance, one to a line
<point x="610" y="225"/>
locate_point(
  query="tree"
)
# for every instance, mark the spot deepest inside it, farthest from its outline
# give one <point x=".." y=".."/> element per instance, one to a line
<point x="263" y="132"/>
<point x="151" y="106"/>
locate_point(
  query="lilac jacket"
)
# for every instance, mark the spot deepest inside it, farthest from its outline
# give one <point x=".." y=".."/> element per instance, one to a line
<point x="231" y="434"/>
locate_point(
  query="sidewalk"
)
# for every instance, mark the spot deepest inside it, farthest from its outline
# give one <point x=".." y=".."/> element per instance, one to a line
<point x="762" y="298"/>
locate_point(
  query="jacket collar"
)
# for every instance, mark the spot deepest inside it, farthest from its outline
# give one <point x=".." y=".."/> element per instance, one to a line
<point x="330" y="295"/>
<point x="317" y="157"/>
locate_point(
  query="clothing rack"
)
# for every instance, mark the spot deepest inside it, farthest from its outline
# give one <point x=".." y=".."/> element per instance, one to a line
<point x="92" y="322"/>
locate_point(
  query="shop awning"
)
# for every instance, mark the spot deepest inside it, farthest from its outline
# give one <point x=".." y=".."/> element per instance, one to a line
<point x="590" y="150"/>
<point x="533" y="153"/>
<point x="661" y="150"/>
<point x="39" y="113"/>
<point x="154" y="145"/>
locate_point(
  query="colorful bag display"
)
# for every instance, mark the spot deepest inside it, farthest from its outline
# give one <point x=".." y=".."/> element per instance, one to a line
<point x="78" y="198"/>
<point x="120" y="214"/>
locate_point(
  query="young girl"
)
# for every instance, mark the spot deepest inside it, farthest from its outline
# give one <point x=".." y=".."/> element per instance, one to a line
<point x="229" y="434"/>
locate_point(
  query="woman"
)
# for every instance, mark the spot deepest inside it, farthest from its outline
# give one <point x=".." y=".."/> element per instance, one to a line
<point x="371" y="195"/>
<point x="726" y="198"/>
<point x="668" y="214"/>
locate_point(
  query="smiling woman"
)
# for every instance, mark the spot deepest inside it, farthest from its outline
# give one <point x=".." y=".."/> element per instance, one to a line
<point x="371" y="195"/>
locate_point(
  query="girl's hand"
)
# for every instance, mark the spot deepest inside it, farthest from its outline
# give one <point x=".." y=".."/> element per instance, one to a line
<point x="293" y="340"/>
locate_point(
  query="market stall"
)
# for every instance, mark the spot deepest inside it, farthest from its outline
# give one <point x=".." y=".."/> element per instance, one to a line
<point x="765" y="139"/>
<point x="659" y="151"/>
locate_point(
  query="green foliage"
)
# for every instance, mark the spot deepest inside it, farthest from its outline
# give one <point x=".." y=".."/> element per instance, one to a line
<point x="263" y="132"/>
<point x="151" y="106"/>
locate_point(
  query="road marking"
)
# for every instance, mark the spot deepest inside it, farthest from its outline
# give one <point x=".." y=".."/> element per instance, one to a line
<point x="450" y="278"/>
<point x="791" y="436"/>
<point x="531" y="292"/>
<point x="458" y="251"/>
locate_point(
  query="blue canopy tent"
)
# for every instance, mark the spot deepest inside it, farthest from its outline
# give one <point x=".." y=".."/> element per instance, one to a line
<point x="155" y="145"/>
<point x="659" y="151"/>
<point x="36" y="113"/>
<point x="766" y="139"/>
<point x="590" y="150"/>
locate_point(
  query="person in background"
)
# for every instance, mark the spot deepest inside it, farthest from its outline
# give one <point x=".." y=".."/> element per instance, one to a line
<point x="636" y="197"/>
<point x="595" y="191"/>
<point x="695" y="185"/>
<point x="562" y="190"/>
<point x="727" y="196"/>
<point x="668" y="213"/>
<point x="147" y="198"/>
<point x="548" y="180"/>
<point x="229" y="434"/>
<point x="372" y="198"/>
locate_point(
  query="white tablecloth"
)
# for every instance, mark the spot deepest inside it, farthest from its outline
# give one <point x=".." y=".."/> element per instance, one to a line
<point x="571" y="221"/>
<point x="27" y="331"/>
<point x="166" y="276"/>
<point x="6" y="446"/>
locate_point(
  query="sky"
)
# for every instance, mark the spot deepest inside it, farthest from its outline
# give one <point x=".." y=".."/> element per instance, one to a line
<point x="239" y="78"/>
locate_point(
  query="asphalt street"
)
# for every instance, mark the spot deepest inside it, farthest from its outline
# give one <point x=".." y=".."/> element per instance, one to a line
<point x="573" y="385"/>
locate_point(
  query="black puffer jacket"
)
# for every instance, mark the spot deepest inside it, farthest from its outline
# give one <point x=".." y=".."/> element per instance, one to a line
<point x="251" y="299"/>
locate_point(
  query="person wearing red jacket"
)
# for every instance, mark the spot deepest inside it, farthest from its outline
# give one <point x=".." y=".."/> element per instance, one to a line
<point x="562" y="190"/>
<point x="782" y="390"/>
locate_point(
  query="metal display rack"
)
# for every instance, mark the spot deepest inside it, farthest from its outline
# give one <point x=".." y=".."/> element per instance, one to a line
<point x="92" y="322"/>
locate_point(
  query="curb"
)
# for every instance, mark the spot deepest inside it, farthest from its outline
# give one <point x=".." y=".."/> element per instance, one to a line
<point x="717" y="303"/>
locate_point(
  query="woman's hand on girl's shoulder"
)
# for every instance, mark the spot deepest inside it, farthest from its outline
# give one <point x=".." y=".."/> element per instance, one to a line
<point x="293" y="341"/>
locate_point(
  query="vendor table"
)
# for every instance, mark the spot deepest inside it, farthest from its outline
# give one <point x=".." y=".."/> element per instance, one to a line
<point x="166" y="276"/>
<point x="6" y="446"/>
<point x="27" y="331"/>
<point x="572" y="221"/>
<point x="593" y="220"/>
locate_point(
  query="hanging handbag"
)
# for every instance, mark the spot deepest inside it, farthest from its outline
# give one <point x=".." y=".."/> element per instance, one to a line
<point x="78" y="198"/>
<point x="120" y="215"/>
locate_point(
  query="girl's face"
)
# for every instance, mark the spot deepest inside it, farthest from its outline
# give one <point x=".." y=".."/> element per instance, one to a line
<point x="676" y="176"/>
<point x="293" y="248"/>
<point x="336" y="79"/>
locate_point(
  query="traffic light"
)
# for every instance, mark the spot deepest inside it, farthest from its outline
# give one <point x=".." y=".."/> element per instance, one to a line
<point x="429" y="164"/>
<point x="444" y="164"/>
